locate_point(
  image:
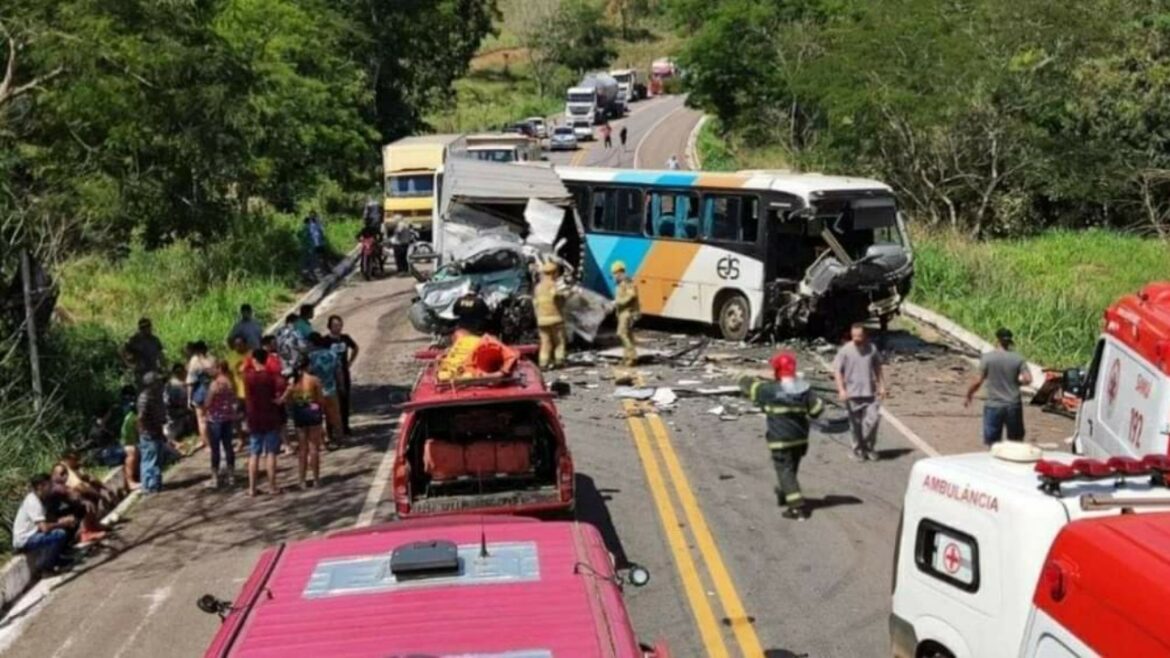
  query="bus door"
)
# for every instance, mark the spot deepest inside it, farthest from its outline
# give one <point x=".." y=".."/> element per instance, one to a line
<point x="667" y="276"/>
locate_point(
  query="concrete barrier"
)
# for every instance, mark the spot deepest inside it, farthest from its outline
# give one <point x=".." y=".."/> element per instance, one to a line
<point x="965" y="337"/>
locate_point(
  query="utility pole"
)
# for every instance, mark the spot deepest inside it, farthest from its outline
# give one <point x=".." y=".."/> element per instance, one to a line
<point x="30" y="323"/>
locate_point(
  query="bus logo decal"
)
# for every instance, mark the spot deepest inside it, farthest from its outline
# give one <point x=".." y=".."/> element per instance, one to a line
<point x="727" y="268"/>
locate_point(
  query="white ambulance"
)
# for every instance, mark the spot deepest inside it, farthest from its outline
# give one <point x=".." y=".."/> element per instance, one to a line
<point x="1016" y="552"/>
<point x="1125" y="394"/>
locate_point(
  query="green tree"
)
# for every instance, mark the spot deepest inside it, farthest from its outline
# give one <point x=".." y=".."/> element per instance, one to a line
<point x="579" y="38"/>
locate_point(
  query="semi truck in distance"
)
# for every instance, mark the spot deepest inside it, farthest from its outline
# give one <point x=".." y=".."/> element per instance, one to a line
<point x="631" y="82"/>
<point x="594" y="99"/>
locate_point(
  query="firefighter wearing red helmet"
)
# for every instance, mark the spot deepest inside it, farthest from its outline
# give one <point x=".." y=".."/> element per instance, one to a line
<point x="788" y="403"/>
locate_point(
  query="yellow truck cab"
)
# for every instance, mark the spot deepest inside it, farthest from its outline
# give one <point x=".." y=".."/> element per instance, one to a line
<point x="409" y="167"/>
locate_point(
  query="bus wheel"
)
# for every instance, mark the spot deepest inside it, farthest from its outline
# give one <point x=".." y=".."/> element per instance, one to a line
<point x="734" y="317"/>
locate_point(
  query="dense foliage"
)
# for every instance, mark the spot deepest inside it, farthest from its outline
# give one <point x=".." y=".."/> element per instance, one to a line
<point x="994" y="118"/>
<point x="183" y="133"/>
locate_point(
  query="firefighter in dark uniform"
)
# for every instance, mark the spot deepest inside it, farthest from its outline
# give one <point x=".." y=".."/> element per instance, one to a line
<point x="471" y="313"/>
<point x="789" y="403"/>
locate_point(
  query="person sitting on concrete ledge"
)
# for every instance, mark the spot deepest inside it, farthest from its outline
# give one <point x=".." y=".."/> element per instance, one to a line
<point x="32" y="532"/>
<point x="84" y="496"/>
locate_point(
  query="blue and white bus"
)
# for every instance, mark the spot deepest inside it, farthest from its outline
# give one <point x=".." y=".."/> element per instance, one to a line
<point x="748" y="250"/>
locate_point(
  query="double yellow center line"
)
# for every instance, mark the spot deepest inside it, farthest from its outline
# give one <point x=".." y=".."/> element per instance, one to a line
<point x="642" y="428"/>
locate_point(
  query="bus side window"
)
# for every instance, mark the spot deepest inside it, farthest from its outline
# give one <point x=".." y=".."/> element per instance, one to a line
<point x="730" y="218"/>
<point x="617" y="210"/>
<point x="672" y="215"/>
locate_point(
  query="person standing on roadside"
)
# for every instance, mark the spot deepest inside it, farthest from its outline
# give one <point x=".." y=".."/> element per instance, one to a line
<point x="143" y="351"/>
<point x="221" y="409"/>
<point x="306" y="399"/>
<point x="788" y="403"/>
<point x="325" y="365"/>
<point x="152" y="416"/>
<point x="622" y="137"/>
<point x="400" y="240"/>
<point x="548" y="301"/>
<point x="290" y="345"/>
<point x="672" y="163"/>
<point x="346" y="350"/>
<point x="128" y="434"/>
<point x="1003" y="370"/>
<point x="265" y="418"/>
<point x="857" y="370"/>
<point x="247" y="328"/>
<point x="304" y="321"/>
<point x="273" y="364"/>
<point x="607" y="135"/>
<point x="201" y="369"/>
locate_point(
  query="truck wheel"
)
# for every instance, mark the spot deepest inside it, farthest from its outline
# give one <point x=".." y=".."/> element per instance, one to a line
<point x="734" y="317"/>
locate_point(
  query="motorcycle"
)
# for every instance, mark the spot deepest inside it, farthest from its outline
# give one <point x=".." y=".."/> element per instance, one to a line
<point x="371" y="260"/>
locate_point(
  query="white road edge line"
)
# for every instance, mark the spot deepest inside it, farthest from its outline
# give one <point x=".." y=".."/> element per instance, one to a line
<point x="913" y="438"/>
<point x="377" y="488"/>
<point x="653" y="127"/>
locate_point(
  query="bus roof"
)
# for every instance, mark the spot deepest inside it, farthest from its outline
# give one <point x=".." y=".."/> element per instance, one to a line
<point x="426" y="140"/>
<point x="337" y="596"/>
<point x="804" y="186"/>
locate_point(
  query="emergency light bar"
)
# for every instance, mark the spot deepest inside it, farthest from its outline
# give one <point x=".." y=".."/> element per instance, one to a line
<point x="1053" y="473"/>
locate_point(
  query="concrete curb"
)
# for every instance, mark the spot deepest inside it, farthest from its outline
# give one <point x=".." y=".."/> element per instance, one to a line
<point x="692" y="152"/>
<point x="18" y="574"/>
<point x="965" y="337"/>
<point x="319" y="291"/>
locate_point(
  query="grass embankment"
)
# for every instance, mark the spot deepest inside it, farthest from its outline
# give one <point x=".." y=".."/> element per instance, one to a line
<point x="718" y="153"/>
<point x="1050" y="289"/>
<point x="189" y="292"/>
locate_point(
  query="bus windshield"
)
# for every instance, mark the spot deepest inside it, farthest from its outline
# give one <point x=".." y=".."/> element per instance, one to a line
<point x="410" y="185"/>
<point x="861" y="223"/>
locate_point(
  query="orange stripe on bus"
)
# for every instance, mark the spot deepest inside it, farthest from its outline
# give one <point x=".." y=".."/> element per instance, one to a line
<point x="721" y="180"/>
<point x="666" y="262"/>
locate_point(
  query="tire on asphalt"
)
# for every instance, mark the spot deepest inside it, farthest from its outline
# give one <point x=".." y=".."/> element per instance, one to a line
<point x="732" y="316"/>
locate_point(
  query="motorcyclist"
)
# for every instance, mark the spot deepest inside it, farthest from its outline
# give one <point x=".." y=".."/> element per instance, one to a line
<point x="372" y="214"/>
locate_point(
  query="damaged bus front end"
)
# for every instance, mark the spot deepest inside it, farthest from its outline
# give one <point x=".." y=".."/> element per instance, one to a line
<point x="844" y="257"/>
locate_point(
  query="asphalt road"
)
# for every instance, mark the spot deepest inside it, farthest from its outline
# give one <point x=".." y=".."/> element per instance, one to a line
<point x="684" y="493"/>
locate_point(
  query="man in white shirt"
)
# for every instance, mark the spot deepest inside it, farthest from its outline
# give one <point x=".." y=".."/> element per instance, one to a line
<point x="32" y="532"/>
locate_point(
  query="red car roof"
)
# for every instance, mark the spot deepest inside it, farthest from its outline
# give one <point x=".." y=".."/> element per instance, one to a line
<point x="1116" y="576"/>
<point x="525" y="383"/>
<point x="1142" y="322"/>
<point x="333" y="597"/>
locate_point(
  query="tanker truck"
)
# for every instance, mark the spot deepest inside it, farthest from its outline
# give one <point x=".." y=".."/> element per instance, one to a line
<point x="594" y="99"/>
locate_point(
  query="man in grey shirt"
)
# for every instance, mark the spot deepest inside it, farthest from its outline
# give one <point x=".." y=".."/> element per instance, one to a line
<point x="857" y="370"/>
<point x="1003" y="371"/>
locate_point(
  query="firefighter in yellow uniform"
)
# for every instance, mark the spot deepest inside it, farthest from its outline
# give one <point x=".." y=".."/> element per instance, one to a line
<point x="626" y="305"/>
<point x="549" y="302"/>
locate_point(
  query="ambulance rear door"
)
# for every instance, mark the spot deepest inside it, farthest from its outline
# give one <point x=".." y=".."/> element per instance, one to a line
<point x="949" y="572"/>
<point x="1125" y="409"/>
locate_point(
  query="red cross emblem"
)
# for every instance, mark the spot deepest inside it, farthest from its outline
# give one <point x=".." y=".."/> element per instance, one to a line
<point x="1112" y="386"/>
<point x="951" y="558"/>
